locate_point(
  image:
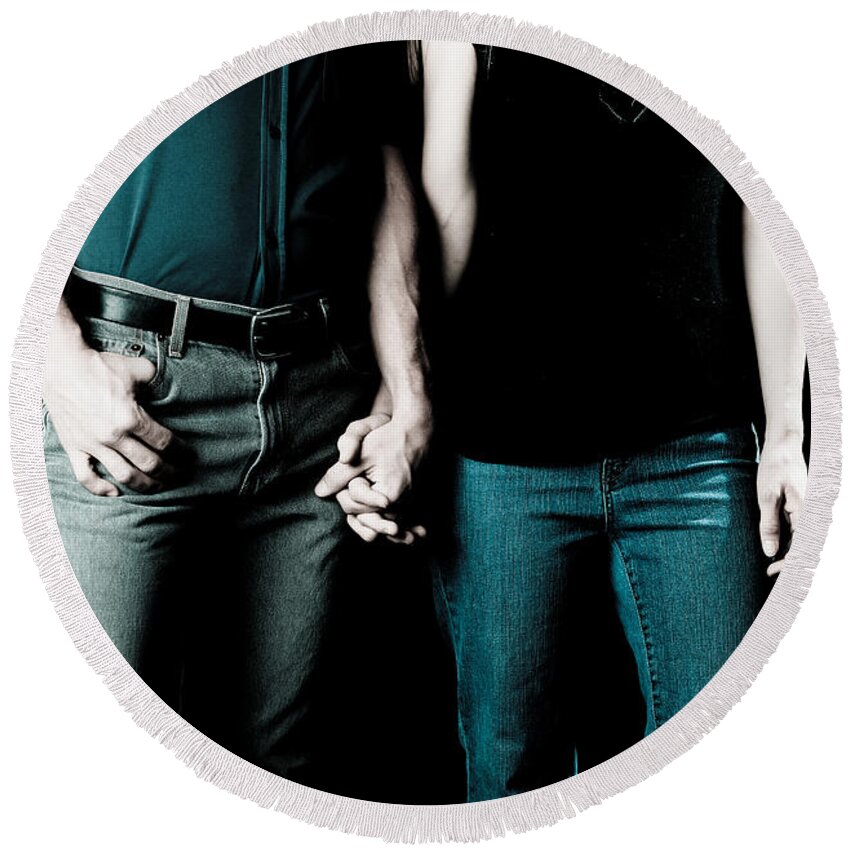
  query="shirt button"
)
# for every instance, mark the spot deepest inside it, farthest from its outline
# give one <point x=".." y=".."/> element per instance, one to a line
<point x="274" y="131"/>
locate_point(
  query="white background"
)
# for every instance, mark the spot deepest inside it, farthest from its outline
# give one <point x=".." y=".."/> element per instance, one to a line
<point x="75" y="769"/>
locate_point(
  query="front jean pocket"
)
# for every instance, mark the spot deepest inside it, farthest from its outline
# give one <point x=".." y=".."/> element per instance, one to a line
<point x="113" y="338"/>
<point x="733" y="443"/>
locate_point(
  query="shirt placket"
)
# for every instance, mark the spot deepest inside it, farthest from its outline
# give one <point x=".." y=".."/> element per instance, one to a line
<point x="273" y="189"/>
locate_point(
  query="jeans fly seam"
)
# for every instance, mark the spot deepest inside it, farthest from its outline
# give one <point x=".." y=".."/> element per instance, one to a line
<point x="159" y="371"/>
<point x="647" y="641"/>
<point x="261" y="367"/>
<point x="603" y="489"/>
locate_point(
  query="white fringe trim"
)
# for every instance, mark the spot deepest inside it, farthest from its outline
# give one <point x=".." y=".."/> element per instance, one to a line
<point x="468" y="821"/>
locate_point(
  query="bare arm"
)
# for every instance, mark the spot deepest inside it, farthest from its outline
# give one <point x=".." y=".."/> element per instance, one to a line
<point x="90" y="396"/>
<point x="394" y="295"/>
<point x="449" y="70"/>
<point x="449" y="80"/>
<point x="781" y="358"/>
<point x="379" y="454"/>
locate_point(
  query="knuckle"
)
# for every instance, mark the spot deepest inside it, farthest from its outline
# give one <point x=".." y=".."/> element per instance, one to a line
<point x="394" y="489"/>
<point x="150" y="465"/>
<point x="140" y="422"/>
<point x="123" y="476"/>
<point x="115" y="431"/>
<point x="130" y="415"/>
<point x="163" y="440"/>
<point x="112" y="435"/>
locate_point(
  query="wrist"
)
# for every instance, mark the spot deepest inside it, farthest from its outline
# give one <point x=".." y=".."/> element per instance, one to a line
<point x="383" y="402"/>
<point x="67" y="357"/>
<point x="412" y="411"/>
<point x="785" y="433"/>
<point x="66" y="343"/>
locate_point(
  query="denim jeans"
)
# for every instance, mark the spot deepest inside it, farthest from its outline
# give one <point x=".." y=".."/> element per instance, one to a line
<point x="221" y="589"/>
<point x="675" y="529"/>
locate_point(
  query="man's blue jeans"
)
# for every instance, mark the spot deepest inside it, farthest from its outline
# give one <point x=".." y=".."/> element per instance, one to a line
<point x="221" y="590"/>
<point x="679" y="531"/>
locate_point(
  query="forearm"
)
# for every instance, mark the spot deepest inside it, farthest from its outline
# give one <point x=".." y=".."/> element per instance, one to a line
<point x="447" y="173"/>
<point x="395" y="298"/>
<point x="778" y="336"/>
<point x="453" y="202"/>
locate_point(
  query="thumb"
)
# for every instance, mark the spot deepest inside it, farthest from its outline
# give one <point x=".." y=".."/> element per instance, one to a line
<point x="139" y="370"/>
<point x="769" y="528"/>
<point x="350" y="442"/>
<point x="336" y="479"/>
<point x="793" y="507"/>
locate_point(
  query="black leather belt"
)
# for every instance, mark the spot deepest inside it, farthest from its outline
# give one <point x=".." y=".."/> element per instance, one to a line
<point x="305" y="324"/>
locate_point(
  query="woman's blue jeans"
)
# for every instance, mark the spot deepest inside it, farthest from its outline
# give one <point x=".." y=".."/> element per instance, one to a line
<point x="678" y="528"/>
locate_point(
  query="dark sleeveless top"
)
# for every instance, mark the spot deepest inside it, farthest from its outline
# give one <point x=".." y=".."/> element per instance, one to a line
<point x="603" y="308"/>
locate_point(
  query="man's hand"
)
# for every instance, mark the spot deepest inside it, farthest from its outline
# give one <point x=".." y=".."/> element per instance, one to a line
<point x="90" y="396"/>
<point x="781" y="485"/>
<point x="378" y="456"/>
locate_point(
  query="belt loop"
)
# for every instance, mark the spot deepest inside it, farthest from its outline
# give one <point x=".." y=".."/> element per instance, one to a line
<point x="177" y="343"/>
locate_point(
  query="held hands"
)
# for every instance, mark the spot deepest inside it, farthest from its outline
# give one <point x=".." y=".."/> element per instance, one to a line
<point x="781" y="485"/>
<point x="377" y="459"/>
<point x="90" y="396"/>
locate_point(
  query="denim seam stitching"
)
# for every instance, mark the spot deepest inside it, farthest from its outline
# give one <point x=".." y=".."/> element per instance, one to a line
<point x="261" y="367"/>
<point x="159" y="372"/>
<point x="603" y="489"/>
<point x="647" y="640"/>
<point x="452" y="628"/>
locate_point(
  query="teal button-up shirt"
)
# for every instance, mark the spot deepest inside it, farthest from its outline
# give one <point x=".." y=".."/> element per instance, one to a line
<point x="269" y="192"/>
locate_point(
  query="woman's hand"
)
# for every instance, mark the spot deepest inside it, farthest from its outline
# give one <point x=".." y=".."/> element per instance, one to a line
<point x="378" y="457"/>
<point x="781" y="486"/>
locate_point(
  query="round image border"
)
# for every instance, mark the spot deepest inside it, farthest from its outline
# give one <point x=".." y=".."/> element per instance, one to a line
<point x="462" y="821"/>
